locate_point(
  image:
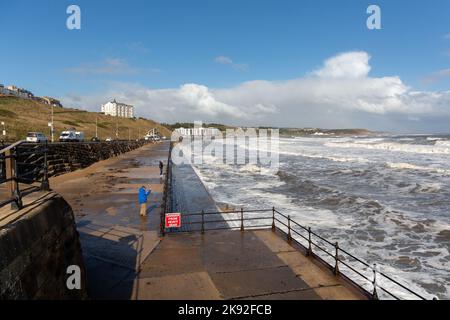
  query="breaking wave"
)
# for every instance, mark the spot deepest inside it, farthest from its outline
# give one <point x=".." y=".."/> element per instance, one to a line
<point x="408" y="166"/>
<point x="441" y="147"/>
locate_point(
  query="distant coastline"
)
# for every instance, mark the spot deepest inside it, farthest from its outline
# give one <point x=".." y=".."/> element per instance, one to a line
<point x="302" y="132"/>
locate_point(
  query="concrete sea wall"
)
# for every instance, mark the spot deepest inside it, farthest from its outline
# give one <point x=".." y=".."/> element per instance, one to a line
<point x="37" y="245"/>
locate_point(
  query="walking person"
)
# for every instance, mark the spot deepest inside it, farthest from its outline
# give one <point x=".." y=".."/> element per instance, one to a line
<point x="143" y="197"/>
<point x="161" y="167"/>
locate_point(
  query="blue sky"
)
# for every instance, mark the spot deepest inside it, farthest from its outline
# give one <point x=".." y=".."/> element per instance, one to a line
<point x="139" y="50"/>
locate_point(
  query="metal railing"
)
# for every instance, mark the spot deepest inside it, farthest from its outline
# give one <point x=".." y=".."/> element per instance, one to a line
<point x="166" y="205"/>
<point x="26" y="167"/>
<point x="23" y="163"/>
<point x="313" y="244"/>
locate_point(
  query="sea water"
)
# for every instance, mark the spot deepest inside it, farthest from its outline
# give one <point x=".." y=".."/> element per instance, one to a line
<point x="386" y="199"/>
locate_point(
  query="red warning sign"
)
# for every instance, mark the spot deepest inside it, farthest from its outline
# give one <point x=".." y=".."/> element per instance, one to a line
<point x="173" y="220"/>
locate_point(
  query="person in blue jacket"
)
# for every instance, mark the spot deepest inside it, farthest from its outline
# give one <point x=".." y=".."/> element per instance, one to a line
<point x="143" y="195"/>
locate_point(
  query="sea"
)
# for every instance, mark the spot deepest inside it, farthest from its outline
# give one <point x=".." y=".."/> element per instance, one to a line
<point x="384" y="198"/>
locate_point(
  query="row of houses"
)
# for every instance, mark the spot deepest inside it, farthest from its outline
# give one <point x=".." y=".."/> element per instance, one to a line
<point x="197" y="131"/>
<point x="112" y="108"/>
<point x="25" y="94"/>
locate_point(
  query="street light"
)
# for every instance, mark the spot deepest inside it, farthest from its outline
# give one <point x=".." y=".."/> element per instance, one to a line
<point x="4" y="129"/>
<point x="52" y="128"/>
<point x="96" y="127"/>
<point x="50" y="125"/>
<point x="117" y="126"/>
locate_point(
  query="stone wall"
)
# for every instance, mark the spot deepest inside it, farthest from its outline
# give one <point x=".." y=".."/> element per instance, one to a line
<point x="67" y="157"/>
<point x="64" y="157"/>
<point x="36" y="248"/>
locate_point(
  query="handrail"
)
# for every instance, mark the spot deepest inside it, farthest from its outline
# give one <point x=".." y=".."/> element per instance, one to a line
<point x="337" y="255"/>
<point x="16" y="144"/>
<point x="28" y="163"/>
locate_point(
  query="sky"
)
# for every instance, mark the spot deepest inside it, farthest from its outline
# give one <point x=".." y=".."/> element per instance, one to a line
<point x="251" y="63"/>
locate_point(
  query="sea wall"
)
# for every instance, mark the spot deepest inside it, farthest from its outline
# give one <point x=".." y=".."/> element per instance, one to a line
<point x="37" y="246"/>
<point x="67" y="157"/>
<point x="64" y="157"/>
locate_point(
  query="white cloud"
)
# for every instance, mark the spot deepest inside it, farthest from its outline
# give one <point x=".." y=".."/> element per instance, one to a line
<point x="223" y="60"/>
<point x="109" y="66"/>
<point x="437" y="76"/>
<point x="228" y="61"/>
<point x="341" y="93"/>
<point x="346" y="65"/>
<point x="201" y="100"/>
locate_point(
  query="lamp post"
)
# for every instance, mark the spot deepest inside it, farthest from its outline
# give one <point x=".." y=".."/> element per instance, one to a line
<point x="51" y="125"/>
<point x="117" y="127"/>
<point x="4" y="130"/>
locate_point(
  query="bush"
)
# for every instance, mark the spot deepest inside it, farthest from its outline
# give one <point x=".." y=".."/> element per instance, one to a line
<point x="70" y="123"/>
<point x="8" y="114"/>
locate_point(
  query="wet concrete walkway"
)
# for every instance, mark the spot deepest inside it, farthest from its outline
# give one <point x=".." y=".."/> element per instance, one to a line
<point x="115" y="240"/>
<point x="235" y="265"/>
<point x="126" y="259"/>
<point x="189" y="195"/>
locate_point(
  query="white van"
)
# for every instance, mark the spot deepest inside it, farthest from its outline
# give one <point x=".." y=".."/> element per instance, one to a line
<point x="71" y="136"/>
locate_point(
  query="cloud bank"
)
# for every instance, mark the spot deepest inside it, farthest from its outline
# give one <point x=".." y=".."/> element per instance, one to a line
<point x="340" y="93"/>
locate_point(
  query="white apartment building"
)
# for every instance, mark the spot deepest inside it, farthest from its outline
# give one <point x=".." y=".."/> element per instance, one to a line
<point x="197" y="131"/>
<point x="117" y="109"/>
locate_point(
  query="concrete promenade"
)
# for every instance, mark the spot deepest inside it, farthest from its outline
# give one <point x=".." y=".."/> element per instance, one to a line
<point x="126" y="259"/>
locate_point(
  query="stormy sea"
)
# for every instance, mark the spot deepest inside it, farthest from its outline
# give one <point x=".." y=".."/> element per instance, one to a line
<point x="385" y="198"/>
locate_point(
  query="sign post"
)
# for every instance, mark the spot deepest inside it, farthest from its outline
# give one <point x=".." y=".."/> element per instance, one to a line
<point x="173" y="220"/>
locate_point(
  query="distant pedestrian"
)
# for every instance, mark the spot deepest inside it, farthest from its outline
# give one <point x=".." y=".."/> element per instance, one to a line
<point x="161" y="167"/>
<point x="143" y="194"/>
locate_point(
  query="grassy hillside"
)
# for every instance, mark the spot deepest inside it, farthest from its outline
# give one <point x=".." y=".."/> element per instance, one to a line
<point x="22" y="116"/>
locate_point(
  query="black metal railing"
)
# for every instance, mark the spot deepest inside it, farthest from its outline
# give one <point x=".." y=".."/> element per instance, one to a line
<point x="22" y="165"/>
<point x="361" y="274"/>
<point x="166" y="205"/>
<point x="26" y="167"/>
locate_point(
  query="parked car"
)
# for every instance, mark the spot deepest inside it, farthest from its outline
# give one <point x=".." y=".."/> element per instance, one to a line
<point x="109" y="139"/>
<point x="36" y="137"/>
<point x="95" y="139"/>
<point x="71" y="136"/>
<point x="149" y="137"/>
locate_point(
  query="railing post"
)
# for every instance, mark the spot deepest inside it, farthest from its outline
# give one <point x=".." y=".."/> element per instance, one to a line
<point x="336" y="258"/>
<point x="374" y="293"/>
<point x="289" y="237"/>
<point x="11" y="178"/>
<point x="309" y="252"/>
<point x="242" y="219"/>
<point x="203" y="221"/>
<point x="45" y="184"/>
<point x="273" y="219"/>
<point x="162" y="224"/>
